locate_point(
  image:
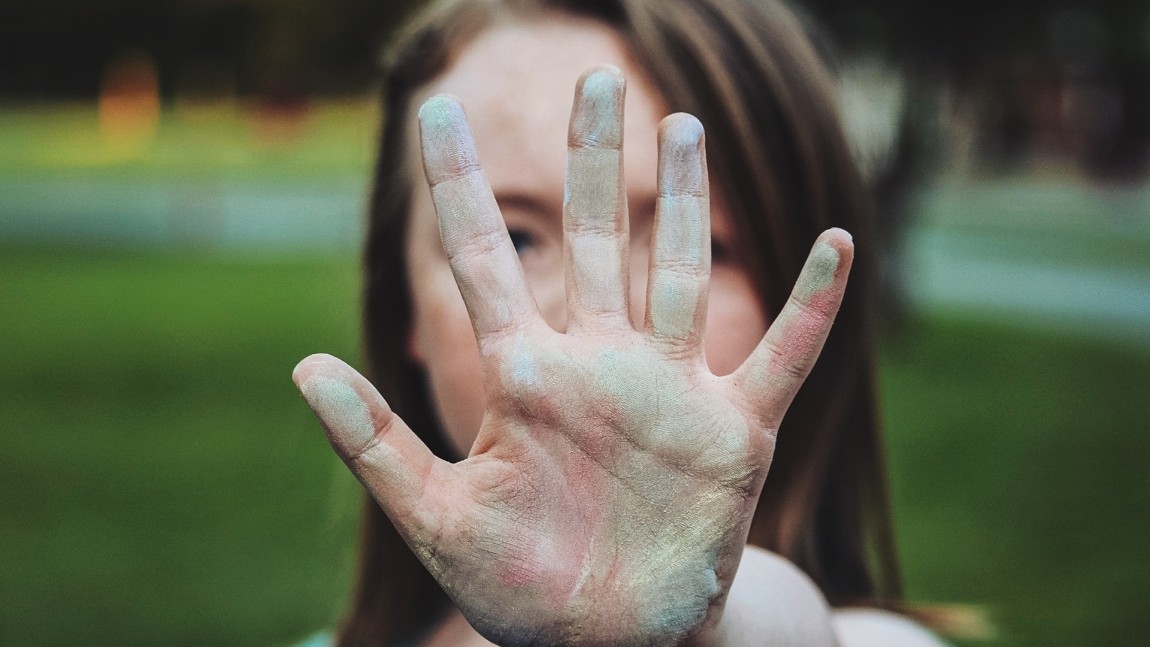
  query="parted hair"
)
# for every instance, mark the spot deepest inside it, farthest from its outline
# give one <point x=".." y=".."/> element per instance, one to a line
<point x="779" y="158"/>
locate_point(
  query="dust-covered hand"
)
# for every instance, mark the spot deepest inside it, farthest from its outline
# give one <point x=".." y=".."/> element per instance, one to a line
<point x="609" y="492"/>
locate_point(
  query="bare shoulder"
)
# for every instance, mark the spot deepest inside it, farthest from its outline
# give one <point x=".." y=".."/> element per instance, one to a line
<point x="859" y="627"/>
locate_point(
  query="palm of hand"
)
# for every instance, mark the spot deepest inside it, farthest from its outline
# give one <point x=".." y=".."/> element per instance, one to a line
<point x="610" y="481"/>
<point x="608" y="494"/>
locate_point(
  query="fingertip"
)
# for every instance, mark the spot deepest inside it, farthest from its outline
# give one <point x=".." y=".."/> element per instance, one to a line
<point x="682" y="156"/>
<point x="838" y="232"/>
<point x="445" y="140"/>
<point x="303" y="370"/>
<point x="840" y="239"/>
<point x="605" y="75"/>
<point x="386" y="456"/>
<point x="827" y="265"/>
<point x="440" y="109"/>
<point x="681" y="128"/>
<point x="840" y="242"/>
<point x="597" y="115"/>
<point x="340" y="399"/>
<point x="309" y="365"/>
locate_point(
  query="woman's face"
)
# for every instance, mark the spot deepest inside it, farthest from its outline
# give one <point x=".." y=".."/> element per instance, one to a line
<point x="516" y="82"/>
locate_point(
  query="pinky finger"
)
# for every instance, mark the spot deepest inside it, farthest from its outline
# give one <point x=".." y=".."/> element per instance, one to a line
<point x="776" y="369"/>
<point x="385" y="455"/>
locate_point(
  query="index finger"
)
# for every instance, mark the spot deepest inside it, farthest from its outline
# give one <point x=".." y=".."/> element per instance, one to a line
<point x="481" y="254"/>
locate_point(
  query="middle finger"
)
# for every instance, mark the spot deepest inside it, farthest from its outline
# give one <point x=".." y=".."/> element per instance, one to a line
<point x="595" y="205"/>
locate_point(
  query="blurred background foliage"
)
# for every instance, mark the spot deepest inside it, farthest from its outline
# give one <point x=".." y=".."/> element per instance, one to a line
<point x="181" y="193"/>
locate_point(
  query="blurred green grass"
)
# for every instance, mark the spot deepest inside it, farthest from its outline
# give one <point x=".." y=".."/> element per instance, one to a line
<point x="1018" y="463"/>
<point x="162" y="483"/>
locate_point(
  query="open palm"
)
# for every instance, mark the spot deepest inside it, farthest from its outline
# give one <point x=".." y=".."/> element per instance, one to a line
<point x="610" y="489"/>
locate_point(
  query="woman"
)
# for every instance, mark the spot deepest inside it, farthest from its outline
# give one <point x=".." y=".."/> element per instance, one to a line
<point x="614" y="471"/>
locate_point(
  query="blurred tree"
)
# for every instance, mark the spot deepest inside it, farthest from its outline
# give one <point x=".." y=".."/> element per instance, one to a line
<point x="60" y="48"/>
<point x="1069" y="71"/>
<point x="1080" y="68"/>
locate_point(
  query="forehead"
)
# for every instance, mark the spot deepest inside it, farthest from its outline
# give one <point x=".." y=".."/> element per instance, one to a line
<point x="516" y="82"/>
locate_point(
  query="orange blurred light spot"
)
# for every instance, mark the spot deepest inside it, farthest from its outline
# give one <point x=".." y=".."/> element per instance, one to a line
<point x="129" y="103"/>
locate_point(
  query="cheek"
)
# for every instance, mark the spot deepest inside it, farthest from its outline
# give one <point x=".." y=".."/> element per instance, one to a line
<point x="446" y="343"/>
<point x="735" y="321"/>
<point x="545" y="277"/>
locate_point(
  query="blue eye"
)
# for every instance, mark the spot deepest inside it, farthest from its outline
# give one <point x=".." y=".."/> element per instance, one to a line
<point x="522" y="240"/>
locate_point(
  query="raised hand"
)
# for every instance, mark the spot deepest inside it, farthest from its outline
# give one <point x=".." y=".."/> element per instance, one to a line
<point x="609" y="491"/>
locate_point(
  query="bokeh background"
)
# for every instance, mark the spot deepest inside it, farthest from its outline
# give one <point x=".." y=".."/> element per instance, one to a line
<point x="182" y="186"/>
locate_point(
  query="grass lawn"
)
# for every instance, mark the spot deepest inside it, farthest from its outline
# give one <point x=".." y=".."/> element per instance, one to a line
<point x="1019" y="473"/>
<point x="162" y="483"/>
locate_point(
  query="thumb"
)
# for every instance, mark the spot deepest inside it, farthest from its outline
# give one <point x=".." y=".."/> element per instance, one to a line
<point x="382" y="451"/>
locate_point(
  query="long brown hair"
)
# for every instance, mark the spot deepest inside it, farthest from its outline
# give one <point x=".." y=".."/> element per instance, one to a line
<point x="780" y="160"/>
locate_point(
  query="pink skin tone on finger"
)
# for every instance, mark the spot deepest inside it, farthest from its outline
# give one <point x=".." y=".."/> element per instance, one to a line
<point x="797" y="335"/>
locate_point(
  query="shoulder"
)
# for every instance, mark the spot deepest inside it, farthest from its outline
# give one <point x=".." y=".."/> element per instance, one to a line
<point x="861" y="627"/>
